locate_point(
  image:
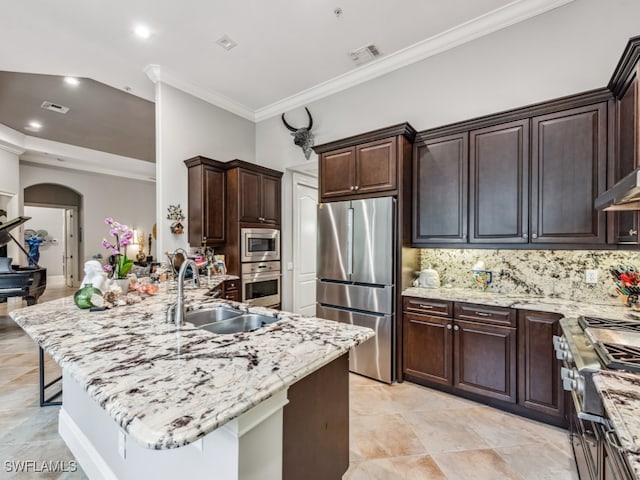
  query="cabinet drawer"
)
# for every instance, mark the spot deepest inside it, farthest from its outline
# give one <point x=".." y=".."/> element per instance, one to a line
<point x="440" y="308"/>
<point x="234" y="296"/>
<point x="485" y="314"/>
<point x="230" y="285"/>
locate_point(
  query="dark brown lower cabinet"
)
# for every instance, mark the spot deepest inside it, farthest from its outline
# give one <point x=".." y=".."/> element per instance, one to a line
<point x="539" y="372"/>
<point x="316" y="425"/>
<point x="427" y="348"/>
<point x="485" y="360"/>
<point x="466" y="356"/>
<point x="232" y="290"/>
<point x="498" y="355"/>
<point x="228" y="290"/>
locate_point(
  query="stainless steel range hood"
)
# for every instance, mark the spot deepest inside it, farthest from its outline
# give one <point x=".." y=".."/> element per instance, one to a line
<point x="624" y="195"/>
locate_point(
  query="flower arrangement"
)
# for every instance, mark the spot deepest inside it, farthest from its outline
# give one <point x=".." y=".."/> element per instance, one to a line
<point x="121" y="265"/>
<point x="177" y="217"/>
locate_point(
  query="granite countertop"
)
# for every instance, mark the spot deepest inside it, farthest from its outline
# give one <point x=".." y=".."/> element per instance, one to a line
<point x="167" y="387"/>
<point x="620" y="392"/>
<point x="569" y="308"/>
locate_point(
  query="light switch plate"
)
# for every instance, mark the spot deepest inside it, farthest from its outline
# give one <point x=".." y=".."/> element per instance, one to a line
<point x="591" y="276"/>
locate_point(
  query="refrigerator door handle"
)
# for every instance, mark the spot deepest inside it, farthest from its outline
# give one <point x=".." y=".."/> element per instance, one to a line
<point x="350" y="241"/>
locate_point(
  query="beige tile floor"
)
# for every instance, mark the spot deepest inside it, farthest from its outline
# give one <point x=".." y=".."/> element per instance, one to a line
<point x="406" y="431"/>
<point x="402" y="431"/>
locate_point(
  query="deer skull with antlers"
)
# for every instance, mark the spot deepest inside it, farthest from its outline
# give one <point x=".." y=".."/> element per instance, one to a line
<point x="302" y="136"/>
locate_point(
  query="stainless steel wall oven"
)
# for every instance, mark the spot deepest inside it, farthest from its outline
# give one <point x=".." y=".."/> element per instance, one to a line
<point x="261" y="283"/>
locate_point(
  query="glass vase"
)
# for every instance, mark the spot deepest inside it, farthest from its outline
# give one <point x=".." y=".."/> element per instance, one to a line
<point x="82" y="298"/>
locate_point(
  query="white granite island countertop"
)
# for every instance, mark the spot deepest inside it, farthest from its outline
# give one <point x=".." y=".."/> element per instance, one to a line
<point x="620" y="392"/>
<point x="569" y="308"/>
<point x="167" y="387"/>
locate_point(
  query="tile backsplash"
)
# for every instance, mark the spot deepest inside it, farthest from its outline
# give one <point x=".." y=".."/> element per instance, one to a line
<point x="550" y="273"/>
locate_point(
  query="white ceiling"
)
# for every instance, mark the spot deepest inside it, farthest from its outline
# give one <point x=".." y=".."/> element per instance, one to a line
<point x="289" y="52"/>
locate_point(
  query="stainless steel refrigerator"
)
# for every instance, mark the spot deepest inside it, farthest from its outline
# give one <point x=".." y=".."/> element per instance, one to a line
<point x="355" y="277"/>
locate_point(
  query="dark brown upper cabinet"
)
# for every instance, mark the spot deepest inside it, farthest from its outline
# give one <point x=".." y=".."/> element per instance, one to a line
<point x="624" y="86"/>
<point x="529" y="177"/>
<point x="359" y="170"/>
<point x="440" y="171"/>
<point x="206" y="209"/>
<point x="365" y="165"/>
<point x="499" y="183"/>
<point x="255" y="193"/>
<point x="568" y="172"/>
<point x="338" y="173"/>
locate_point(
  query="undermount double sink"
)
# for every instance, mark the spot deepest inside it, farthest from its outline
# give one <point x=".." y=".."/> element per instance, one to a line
<point x="226" y="320"/>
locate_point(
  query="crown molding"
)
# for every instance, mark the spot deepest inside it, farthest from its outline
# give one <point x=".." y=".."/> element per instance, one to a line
<point x="11" y="140"/>
<point x="71" y="157"/>
<point x="158" y="74"/>
<point x="505" y="16"/>
<point x="41" y="151"/>
<point x="498" y="19"/>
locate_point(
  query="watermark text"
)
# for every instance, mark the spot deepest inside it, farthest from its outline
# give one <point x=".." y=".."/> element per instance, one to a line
<point x="44" y="466"/>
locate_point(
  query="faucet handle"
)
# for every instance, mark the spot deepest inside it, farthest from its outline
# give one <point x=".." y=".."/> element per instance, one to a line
<point x="171" y="313"/>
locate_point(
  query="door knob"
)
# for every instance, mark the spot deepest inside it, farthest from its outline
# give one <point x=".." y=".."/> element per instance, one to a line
<point x="535" y="235"/>
<point x="525" y="236"/>
<point x="456" y="327"/>
<point x="448" y="326"/>
<point x="356" y="188"/>
<point x="352" y="188"/>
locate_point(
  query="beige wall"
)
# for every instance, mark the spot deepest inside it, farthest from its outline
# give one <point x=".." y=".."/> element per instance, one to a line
<point x="185" y="127"/>
<point x="131" y="202"/>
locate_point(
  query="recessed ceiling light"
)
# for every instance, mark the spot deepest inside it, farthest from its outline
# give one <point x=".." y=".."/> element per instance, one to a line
<point x="226" y="42"/>
<point x="73" y="81"/>
<point x="142" y="31"/>
<point x="33" y="126"/>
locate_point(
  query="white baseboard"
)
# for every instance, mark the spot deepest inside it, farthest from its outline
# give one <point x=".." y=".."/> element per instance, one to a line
<point x="87" y="456"/>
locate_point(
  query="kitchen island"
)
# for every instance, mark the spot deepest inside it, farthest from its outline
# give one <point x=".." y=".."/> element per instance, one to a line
<point x="142" y="397"/>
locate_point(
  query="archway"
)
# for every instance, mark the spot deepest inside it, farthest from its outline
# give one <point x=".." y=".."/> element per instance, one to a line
<point x="62" y="208"/>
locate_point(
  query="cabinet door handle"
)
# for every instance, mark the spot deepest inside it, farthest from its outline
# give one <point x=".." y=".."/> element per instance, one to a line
<point x="456" y="327"/>
<point x="525" y="236"/>
<point x="482" y="314"/>
<point x="633" y="232"/>
<point x="448" y="326"/>
<point x="352" y="188"/>
<point x="535" y="235"/>
<point x="427" y="307"/>
<point x="356" y="188"/>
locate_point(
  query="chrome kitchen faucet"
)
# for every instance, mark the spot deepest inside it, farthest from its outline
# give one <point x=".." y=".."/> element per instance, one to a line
<point x="176" y="311"/>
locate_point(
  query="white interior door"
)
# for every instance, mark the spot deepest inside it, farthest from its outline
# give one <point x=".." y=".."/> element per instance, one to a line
<point x="305" y="200"/>
<point x="70" y="247"/>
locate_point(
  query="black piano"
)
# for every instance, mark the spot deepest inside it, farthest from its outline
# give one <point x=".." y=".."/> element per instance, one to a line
<point x="28" y="283"/>
<point x="15" y="281"/>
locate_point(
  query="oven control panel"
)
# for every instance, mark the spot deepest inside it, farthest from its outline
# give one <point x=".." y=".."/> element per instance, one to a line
<point x="561" y="346"/>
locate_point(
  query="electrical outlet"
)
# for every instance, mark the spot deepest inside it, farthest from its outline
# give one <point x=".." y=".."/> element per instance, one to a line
<point x="122" y="444"/>
<point x="591" y="276"/>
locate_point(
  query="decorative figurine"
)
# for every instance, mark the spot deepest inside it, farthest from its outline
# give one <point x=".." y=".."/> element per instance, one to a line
<point x="177" y="217"/>
<point x="94" y="275"/>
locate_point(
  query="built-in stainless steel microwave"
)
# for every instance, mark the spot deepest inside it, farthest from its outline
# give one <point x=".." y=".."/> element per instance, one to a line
<point x="259" y="244"/>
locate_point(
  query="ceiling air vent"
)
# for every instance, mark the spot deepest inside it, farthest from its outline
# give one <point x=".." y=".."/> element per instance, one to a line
<point x="365" y="54"/>
<point x="54" y="107"/>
